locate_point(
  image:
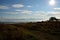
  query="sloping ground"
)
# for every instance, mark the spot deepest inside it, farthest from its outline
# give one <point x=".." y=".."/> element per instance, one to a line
<point x="30" y="31"/>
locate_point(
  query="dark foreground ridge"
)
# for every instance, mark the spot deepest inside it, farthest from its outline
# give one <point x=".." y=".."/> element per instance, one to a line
<point x="48" y="30"/>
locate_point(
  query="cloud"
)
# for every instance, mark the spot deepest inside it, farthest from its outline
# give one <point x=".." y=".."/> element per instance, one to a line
<point x="4" y="7"/>
<point x="38" y="15"/>
<point x="26" y="12"/>
<point x="23" y="12"/>
<point x="18" y="10"/>
<point x="56" y="8"/>
<point x="9" y="12"/>
<point x="18" y="5"/>
<point x="55" y="13"/>
<point x="46" y="15"/>
<point x="29" y="6"/>
<point x="31" y="15"/>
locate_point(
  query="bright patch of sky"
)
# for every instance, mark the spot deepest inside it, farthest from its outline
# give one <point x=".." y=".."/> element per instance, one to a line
<point x="29" y="10"/>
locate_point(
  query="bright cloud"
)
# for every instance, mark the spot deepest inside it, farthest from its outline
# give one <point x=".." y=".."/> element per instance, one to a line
<point x="3" y="7"/>
<point x="46" y="15"/>
<point x="57" y="13"/>
<point x="53" y="14"/>
<point x="18" y="5"/>
<point x="56" y="8"/>
<point x="18" y="10"/>
<point x="26" y="12"/>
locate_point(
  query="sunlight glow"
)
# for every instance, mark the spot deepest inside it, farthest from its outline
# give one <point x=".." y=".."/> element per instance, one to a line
<point x="52" y="2"/>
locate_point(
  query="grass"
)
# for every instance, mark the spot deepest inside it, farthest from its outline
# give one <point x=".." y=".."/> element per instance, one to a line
<point x="30" y="31"/>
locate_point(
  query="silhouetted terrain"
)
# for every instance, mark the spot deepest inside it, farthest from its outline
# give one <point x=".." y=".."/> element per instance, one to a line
<point x="31" y="31"/>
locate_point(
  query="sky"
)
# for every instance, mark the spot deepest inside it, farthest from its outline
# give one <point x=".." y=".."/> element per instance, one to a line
<point x="28" y="10"/>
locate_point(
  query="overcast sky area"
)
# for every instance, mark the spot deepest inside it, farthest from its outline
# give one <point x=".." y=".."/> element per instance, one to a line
<point x="28" y="10"/>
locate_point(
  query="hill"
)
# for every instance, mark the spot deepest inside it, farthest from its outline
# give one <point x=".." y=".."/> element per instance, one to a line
<point x="31" y="31"/>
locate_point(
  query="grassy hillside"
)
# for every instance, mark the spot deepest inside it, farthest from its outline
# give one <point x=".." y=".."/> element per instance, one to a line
<point x="30" y="31"/>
